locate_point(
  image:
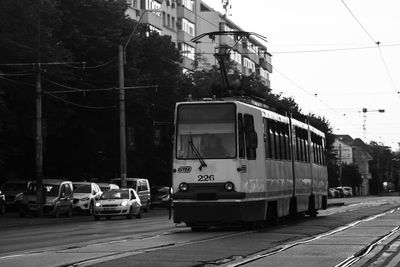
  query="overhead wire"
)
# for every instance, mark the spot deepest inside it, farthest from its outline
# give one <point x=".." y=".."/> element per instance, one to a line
<point x="378" y="44"/>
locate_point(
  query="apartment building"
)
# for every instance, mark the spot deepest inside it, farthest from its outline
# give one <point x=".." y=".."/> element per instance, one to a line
<point x="354" y="151"/>
<point x="185" y="19"/>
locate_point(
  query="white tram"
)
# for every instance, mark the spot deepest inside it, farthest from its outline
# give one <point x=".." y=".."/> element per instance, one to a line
<point x="235" y="162"/>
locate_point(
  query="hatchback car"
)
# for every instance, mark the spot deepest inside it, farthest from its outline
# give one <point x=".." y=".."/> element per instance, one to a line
<point x="118" y="202"/>
<point x="141" y="186"/>
<point x="85" y="194"/>
<point x="58" y="196"/>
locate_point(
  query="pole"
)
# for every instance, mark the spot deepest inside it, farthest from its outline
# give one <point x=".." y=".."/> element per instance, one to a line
<point x="340" y="165"/>
<point x="122" y="130"/>
<point x="39" y="145"/>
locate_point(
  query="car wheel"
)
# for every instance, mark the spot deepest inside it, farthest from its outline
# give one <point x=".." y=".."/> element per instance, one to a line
<point x="97" y="218"/>
<point x="69" y="212"/>
<point x="147" y="208"/>
<point x="57" y="213"/>
<point x="129" y="216"/>
<point x="139" y="215"/>
<point x="91" y="208"/>
<point x="2" y="208"/>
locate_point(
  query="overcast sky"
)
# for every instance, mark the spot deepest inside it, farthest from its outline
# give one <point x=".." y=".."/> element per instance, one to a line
<point x="324" y="55"/>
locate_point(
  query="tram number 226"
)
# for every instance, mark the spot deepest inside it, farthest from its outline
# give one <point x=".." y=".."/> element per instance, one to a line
<point x="205" y="178"/>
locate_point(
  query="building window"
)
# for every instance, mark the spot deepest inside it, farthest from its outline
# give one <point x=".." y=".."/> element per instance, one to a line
<point x="235" y="56"/>
<point x="187" y="50"/>
<point x="173" y="23"/>
<point x="188" y="27"/>
<point x="264" y="74"/>
<point x="189" y="4"/>
<point x="152" y="4"/>
<point x="154" y="29"/>
<point x="247" y="63"/>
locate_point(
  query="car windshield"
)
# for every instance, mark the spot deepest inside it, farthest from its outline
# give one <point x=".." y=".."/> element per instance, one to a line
<point x="115" y="194"/>
<point x="51" y="190"/>
<point x="81" y="188"/>
<point x="13" y="187"/>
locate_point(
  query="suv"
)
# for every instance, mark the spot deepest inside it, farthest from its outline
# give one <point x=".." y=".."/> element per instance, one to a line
<point x="85" y="194"/>
<point x="58" y="196"/>
<point x="12" y="191"/>
<point x="142" y="188"/>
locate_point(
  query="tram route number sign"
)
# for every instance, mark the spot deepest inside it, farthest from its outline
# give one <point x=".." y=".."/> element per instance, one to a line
<point x="205" y="178"/>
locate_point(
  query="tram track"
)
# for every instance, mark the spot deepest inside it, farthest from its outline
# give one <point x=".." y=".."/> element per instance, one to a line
<point x="345" y="263"/>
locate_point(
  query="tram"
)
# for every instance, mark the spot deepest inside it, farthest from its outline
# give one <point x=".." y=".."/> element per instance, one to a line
<point x="237" y="162"/>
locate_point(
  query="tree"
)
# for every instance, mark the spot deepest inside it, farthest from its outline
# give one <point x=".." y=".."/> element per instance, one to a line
<point x="351" y="176"/>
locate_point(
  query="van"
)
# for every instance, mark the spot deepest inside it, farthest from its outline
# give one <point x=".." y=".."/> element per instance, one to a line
<point x="58" y="198"/>
<point x="142" y="188"/>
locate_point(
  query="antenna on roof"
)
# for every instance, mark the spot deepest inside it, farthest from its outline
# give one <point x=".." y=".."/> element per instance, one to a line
<point x="227" y="7"/>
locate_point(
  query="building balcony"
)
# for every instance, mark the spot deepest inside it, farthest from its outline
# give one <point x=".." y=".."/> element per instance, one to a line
<point x="183" y="36"/>
<point x="183" y="12"/>
<point x="153" y="19"/>
<point x="251" y="55"/>
<point x="266" y="65"/>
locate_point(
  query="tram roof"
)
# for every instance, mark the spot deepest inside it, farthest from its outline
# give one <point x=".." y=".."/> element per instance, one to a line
<point x="267" y="113"/>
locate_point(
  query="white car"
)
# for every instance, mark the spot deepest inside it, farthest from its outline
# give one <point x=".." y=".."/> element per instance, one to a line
<point x="118" y="202"/>
<point x="85" y="194"/>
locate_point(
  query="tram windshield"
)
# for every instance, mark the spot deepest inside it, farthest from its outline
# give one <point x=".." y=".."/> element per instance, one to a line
<point x="207" y="128"/>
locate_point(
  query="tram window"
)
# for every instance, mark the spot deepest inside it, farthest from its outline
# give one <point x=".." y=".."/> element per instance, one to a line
<point x="283" y="148"/>
<point x="266" y="139"/>
<point x="241" y="136"/>
<point x="271" y="142"/>
<point x="250" y="136"/>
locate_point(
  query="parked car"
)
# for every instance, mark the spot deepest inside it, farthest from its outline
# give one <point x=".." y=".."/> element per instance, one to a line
<point x="348" y="191"/>
<point x="118" y="202"/>
<point x="12" y="191"/>
<point x="333" y="193"/>
<point x="160" y="196"/>
<point x="84" y="196"/>
<point x="58" y="196"/>
<point x="141" y="186"/>
<point x="2" y="203"/>
<point x="345" y="191"/>
<point x="107" y="186"/>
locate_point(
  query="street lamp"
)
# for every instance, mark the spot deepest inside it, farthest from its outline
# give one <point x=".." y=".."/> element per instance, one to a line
<point x="122" y="122"/>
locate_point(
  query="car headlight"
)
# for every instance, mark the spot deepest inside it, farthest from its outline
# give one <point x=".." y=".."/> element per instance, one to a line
<point x="124" y="203"/>
<point x="229" y="186"/>
<point x="183" y="187"/>
<point x="84" y="199"/>
<point x="97" y="204"/>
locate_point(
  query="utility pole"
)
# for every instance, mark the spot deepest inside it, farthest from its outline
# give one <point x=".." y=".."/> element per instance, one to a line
<point x="122" y="130"/>
<point x="39" y="144"/>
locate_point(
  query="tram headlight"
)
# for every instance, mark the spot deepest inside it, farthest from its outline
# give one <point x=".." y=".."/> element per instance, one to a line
<point x="229" y="186"/>
<point x="183" y="187"/>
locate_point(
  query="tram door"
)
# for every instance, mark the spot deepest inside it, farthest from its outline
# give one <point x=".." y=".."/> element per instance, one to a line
<point x="247" y="152"/>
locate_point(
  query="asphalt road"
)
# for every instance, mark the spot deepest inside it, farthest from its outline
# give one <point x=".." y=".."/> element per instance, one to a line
<point x="155" y="241"/>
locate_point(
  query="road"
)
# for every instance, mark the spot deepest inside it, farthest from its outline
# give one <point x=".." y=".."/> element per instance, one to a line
<point x="335" y="236"/>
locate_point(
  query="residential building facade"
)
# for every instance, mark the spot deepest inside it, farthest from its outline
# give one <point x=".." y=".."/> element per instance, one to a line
<point x="185" y="19"/>
<point x="354" y="151"/>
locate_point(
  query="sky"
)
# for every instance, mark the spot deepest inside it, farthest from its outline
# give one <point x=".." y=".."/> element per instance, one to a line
<point x="325" y="55"/>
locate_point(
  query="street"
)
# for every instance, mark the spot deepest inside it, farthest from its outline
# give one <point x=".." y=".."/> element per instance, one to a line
<point x="334" y="237"/>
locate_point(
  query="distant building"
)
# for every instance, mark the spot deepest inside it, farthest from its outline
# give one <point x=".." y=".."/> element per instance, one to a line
<point x="186" y="19"/>
<point x="354" y="151"/>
